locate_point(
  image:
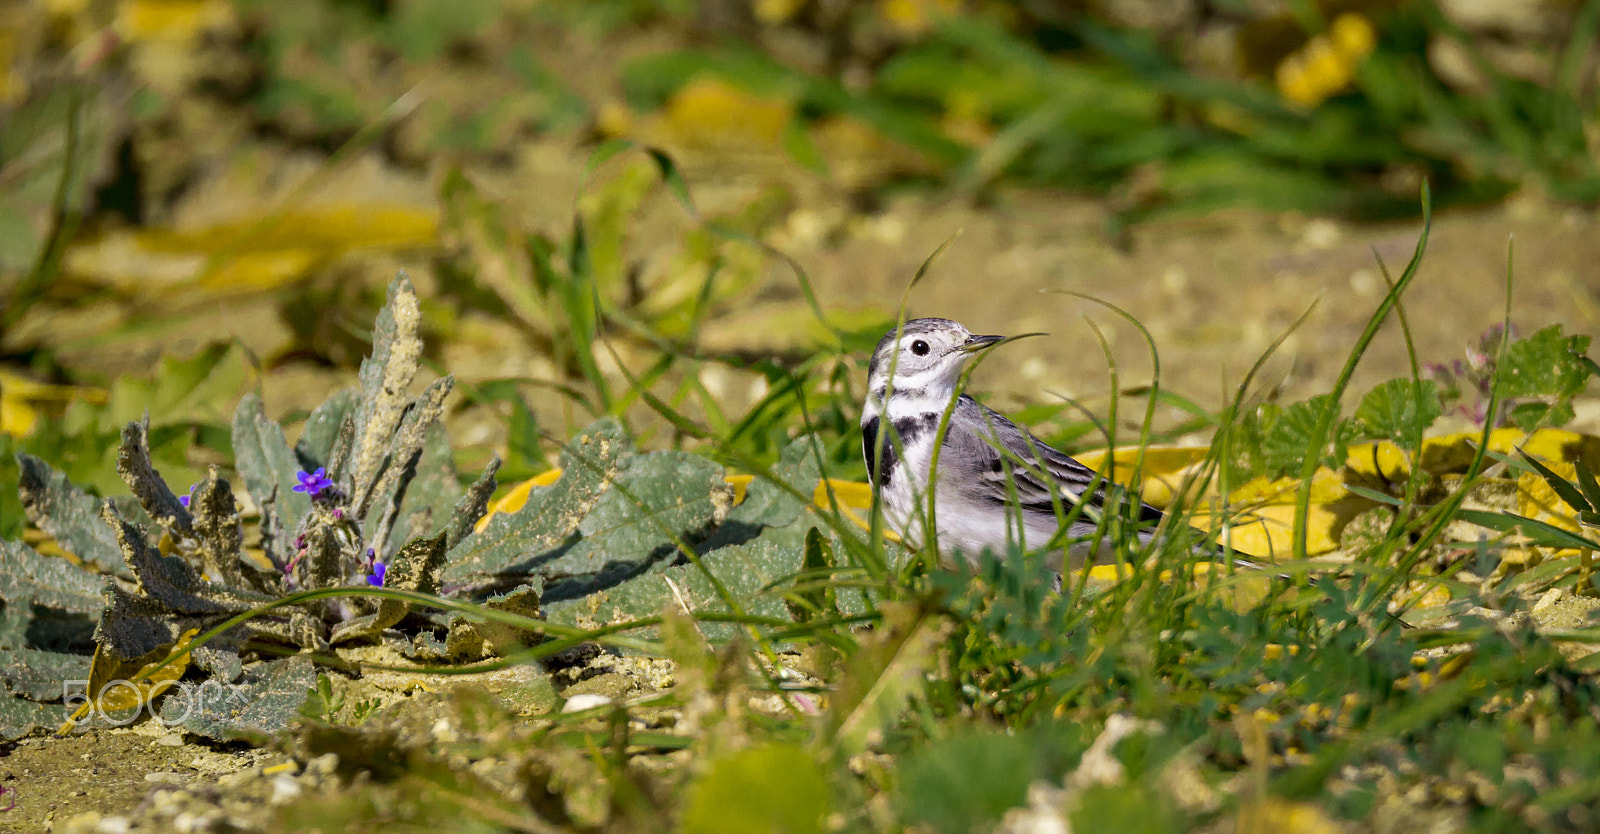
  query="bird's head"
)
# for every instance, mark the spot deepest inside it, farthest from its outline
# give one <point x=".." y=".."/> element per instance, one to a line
<point x="925" y="356"/>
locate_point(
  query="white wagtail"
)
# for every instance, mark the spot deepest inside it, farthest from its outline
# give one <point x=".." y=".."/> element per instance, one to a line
<point x="997" y="483"/>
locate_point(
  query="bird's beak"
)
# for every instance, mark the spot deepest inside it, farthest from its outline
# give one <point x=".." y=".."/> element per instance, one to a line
<point x="974" y="344"/>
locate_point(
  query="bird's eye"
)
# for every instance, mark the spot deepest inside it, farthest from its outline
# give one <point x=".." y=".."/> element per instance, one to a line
<point x="919" y="347"/>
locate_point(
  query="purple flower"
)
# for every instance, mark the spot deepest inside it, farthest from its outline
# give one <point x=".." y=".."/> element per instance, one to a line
<point x="184" y="499"/>
<point x="375" y="579"/>
<point x="313" y="483"/>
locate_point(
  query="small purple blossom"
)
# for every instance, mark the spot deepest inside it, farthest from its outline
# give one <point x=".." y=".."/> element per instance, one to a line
<point x="184" y="499"/>
<point x="313" y="483"/>
<point x="375" y="579"/>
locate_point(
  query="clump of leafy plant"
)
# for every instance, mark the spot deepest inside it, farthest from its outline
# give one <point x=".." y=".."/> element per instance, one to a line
<point x="1545" y="371"/>
<point x="1538" y="379"/>
<point x="368" y="499"/>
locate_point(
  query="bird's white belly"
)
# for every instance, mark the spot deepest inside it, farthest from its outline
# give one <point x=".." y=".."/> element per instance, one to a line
<point x="963" y="524"/>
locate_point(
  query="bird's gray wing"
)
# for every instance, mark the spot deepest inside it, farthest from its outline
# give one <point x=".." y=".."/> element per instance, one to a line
<point x="977" y="434"/>
<point x="1024" y="465"/>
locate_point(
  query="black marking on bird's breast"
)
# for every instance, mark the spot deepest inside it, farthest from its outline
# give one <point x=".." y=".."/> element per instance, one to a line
<point x="880" y="465"/>
<point x="869" y="446"/>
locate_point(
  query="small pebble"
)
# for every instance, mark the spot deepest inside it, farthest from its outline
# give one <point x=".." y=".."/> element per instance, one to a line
<point x="1551" y="597"/>
<point x="284" y="789"/>
<point x="585" y="701"/>
<point x="113" y="825"/>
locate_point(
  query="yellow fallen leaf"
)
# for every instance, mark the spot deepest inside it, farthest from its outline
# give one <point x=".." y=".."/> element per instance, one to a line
<point x="1163" y="468"/>
<point x="18" y="395"/>
<point x="246" y="255"/>
<point x="1454" y="452"/>
<point x="1535" y="498"/>
<point x="1261" y="515"/>
<point x="115" y="686"/>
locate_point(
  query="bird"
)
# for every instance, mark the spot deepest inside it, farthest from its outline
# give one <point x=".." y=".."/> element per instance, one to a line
<point x="997" y="484"/>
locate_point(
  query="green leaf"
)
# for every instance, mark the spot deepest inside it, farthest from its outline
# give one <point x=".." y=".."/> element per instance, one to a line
<point x="471" y="506"/>
<point x="672" y="177"/>
<point x="261" y="703"/>
<point x="772" y="788"/>
<point x="194" y="390"/>
<point x="373" y="502"/>
<point x="1546" y="364"/>
<point x="891" y="666"/>
<point x="746" y="570"/>
<point x="57" y="142"/>
<point x="1587" y="483"/>
<point x="524" y="454"/>
<point x="1399" y="410"/>
<point x="501" y="638"/>
<point x="822" y="598"/>
<point x="267" y="464"/>
<point x="47" y="611"/>
<point x="139" y="473"/>
<point x="966" y="782"/>
<point x="1286" y="436"/>
<point x="551" y="515"/>
<point x="321" y="431"/>
<point x="767" y="504"/>
<point x="67" y="514"/>
<point x="219" y="529"/>
<point x="415" y="568"/>
<point x="1538" y="532"/>
<point x="656" y="496"/>
<point x="170" y="581"/>
<point x="20" y="716"/>
<point x="27" y="578"/>
<point x="385" y="376"/>
<point x="434" y="489"/>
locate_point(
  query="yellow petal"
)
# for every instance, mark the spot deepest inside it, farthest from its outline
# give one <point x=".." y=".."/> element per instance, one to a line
<point x="1353" y="36"/>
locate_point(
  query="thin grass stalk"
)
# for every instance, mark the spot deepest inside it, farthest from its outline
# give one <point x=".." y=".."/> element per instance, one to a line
<point x="1324" y="425"/>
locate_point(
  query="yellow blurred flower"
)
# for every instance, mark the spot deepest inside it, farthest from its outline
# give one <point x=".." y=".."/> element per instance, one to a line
<point x="709" y="113"/>
<point x="1353" y="35"/>
<point x="776" y="11"/>
<point x="175" y="21"/>
<point x="915" y="17"/>
<point x="1328" y="62"/>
